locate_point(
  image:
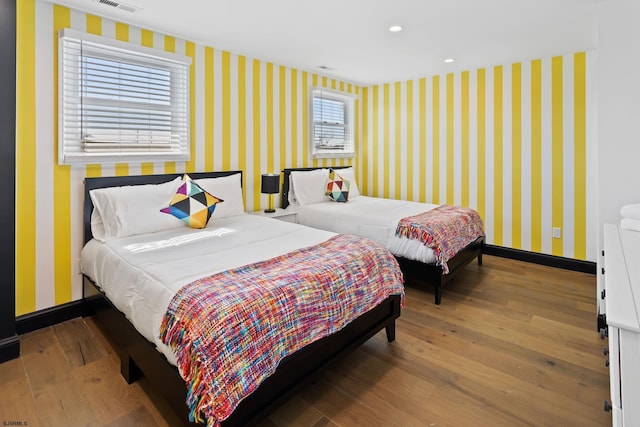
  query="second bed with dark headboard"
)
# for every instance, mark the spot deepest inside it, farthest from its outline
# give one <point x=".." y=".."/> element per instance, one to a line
<point x="378" y="219"/>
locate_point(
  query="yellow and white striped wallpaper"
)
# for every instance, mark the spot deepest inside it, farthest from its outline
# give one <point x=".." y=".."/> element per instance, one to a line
<point x="454" y="144"/>
<point x="512" y="141"/>
<point x="245" y="114"/>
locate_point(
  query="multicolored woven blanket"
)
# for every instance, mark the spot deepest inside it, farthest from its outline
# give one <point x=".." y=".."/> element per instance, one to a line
<point x="230" y="331"/>
<point x="445" y="229"/>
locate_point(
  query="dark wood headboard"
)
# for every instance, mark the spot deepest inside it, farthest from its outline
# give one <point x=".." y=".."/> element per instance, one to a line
<point x="287" y="180"/>
<point x="119" y="181"/>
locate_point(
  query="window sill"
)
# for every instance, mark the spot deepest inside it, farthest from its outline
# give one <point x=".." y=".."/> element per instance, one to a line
<point x="333" y="155"/>
<point x="104" y="158"/>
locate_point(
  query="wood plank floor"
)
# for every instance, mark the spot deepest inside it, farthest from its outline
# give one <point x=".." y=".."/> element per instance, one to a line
<point x="511" y="344"/>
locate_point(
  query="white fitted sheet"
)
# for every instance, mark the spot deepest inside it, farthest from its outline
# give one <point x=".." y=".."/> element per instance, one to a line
<point x="371" y="217"/>
<point x="140" y="274"/>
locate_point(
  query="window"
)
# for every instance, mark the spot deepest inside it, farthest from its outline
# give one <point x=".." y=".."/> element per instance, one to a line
<point x="121" y="102"/>
<point x="332" y="129"/>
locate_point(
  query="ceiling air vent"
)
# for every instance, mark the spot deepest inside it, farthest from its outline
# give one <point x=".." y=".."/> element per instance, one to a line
<point x="118" y="5"/>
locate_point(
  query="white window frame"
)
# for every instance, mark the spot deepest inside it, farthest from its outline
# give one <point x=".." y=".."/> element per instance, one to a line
<point x="348" y="148"/>
<point x="95" y="129"/>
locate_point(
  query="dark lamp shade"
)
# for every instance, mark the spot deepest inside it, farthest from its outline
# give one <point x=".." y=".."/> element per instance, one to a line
<point x="270" y="183"/>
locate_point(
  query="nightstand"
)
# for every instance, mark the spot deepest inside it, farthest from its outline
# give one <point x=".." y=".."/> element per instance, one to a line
<point x="281" y="214"/>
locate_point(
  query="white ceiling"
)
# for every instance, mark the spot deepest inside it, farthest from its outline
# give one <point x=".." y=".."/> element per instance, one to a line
<point x="352" y="38"/>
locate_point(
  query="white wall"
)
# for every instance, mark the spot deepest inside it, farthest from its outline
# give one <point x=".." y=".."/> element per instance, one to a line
<point x="618" y="108"/>
<point x="618" y="113"/>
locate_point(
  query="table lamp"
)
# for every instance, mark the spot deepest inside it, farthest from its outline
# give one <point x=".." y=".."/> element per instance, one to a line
<point x="270" y="185"/>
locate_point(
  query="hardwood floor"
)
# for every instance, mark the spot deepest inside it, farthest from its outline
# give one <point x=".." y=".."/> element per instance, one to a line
<point x="511" y="344"/>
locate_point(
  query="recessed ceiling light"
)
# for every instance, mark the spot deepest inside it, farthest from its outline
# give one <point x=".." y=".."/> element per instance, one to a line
<point x="395" y="28"/>
<point x="448" y="60"/>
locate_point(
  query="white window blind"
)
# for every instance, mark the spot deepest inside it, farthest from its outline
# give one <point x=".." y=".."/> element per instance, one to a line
<point x="332" y="130"/>
<point x="121" y="102"/>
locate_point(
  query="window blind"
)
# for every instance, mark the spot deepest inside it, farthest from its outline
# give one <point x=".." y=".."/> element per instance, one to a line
<point x="121" y="102"/>
<point x="332" y="130"/>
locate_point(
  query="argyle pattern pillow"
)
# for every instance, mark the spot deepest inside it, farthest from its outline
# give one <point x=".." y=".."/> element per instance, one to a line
<point x="192" y="205"/>
<point x="337" y="188"/>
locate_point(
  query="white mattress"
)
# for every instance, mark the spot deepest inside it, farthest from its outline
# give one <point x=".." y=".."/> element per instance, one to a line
<point x="371" y="217"/>
<point x="141" y="274"/>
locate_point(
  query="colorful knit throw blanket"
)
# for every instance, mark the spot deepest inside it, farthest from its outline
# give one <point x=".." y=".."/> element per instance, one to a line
<point x="445" y="229"/>
<point x="230" y="330"/>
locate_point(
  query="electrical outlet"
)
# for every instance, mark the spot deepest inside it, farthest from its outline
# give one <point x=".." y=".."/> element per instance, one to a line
<point x="557" y="232"/>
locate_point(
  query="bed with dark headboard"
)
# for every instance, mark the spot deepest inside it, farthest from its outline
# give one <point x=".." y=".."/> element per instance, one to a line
<point x="139" y="357"/>
<point x="429" y="272"/>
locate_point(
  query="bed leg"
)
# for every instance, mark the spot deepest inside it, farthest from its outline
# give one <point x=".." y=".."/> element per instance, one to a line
<point x="438" y="293"/>
<point x="479" y="259"/>
<point x="390" y="329"/>
<point x="128" y="369"/>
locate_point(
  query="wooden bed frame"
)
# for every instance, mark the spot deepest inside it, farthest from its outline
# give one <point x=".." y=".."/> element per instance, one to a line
<point x="139" y="357"/>
<point x="429" y="272"/>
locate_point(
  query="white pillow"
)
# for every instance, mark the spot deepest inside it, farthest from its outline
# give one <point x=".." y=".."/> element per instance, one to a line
<point x="229" y="189"/>
<point x="132" y="209"/>
<point x="309" y="186"/>
<point x="350" y="175"/>
<point x="631" y="211"/>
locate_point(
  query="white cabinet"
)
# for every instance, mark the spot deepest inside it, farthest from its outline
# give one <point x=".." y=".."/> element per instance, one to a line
<point x="622" y="300"/>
